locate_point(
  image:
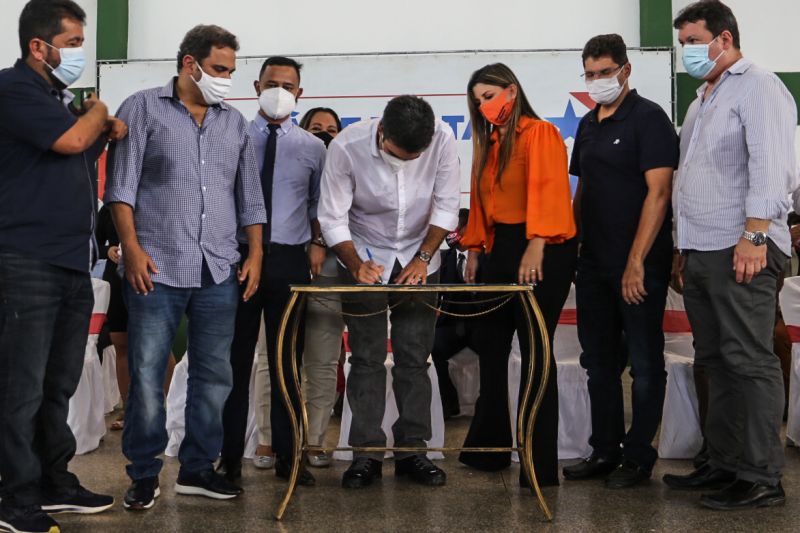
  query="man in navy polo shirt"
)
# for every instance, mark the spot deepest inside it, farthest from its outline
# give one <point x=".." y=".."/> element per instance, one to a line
<point x="47" y="210"/>
<point x="624" y="154"/>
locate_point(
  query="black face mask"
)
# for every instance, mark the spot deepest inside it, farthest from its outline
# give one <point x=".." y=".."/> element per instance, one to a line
<point x="325" y="136"/>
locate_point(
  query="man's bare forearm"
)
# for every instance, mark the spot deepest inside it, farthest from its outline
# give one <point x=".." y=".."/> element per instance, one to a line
<point x="255" y="241"/>
<point x="122" y="214"/>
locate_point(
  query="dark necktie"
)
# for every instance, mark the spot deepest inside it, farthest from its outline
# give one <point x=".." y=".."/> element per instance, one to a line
<point x="267" y="173"/>
<point x="460" y="267"/>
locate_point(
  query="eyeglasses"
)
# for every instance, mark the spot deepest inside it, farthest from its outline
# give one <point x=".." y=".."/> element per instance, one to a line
<point x="596" y="74"/>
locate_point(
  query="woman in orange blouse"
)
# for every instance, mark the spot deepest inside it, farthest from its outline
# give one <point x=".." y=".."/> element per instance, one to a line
<point x="521" y="217"/>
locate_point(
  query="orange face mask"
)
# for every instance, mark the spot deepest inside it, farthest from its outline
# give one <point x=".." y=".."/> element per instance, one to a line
<point x="498" y="109"/>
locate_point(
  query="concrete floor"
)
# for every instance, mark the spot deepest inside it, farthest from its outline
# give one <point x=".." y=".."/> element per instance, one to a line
<point x="471" y="501"/>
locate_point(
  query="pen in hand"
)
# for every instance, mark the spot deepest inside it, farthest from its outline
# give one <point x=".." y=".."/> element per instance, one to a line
<point x="369" y="255"/>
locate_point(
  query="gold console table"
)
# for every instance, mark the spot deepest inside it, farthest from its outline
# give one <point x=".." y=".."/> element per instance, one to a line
<point x="528" y="408"/>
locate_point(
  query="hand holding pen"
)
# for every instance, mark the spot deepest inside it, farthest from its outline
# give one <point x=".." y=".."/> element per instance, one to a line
<point x="369" y="272"/>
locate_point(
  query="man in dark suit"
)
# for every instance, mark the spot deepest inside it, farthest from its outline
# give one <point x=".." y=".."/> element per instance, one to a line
<point x="453" y="334"/>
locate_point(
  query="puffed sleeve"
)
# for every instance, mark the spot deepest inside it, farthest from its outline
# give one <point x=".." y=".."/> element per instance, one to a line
<point x="549" y="198"/>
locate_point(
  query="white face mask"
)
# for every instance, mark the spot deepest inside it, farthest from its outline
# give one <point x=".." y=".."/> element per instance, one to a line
<point x="277" y="102"/>
<point x="604" y="90"/>
<point x="394" y="162"/>
<point x="214" y="90"/>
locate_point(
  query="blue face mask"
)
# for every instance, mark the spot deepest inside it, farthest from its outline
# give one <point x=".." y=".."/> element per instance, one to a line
<point x="696" y="61"/>
<point x="73" y="61"/>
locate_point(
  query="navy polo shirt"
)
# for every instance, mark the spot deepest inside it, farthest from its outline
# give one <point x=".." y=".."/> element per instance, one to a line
<point x="611" y="158"/>
<point x="46" y="198"/>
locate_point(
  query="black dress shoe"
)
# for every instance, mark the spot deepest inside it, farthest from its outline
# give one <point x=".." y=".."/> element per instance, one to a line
<point x="704" y="478"/>
<point x="231" y="471"/>
<point x="283" y="470"/>
<point x="627" y="475"/>
<point x="420" y="469"/>
<point x="362" y="473"/>
<point x="744" y="495"/>
<point x="595" y="466"/>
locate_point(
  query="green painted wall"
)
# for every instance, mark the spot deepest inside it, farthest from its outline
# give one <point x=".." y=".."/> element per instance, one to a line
<point x="655" y="22"/>
<point x="112" y="29"/>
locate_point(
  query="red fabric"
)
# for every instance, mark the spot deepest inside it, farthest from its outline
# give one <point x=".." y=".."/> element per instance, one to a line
<point x="96" y="323"/>
<point x="674" y="321"/>
<point x="794" y="333"/>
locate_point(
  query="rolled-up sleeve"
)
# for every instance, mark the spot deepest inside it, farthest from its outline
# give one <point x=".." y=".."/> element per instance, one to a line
<point x="336" y="196"/>
<point x="447" y="187"/>
<point x="249" y="197"/>
<point x="127" y="156"/>
<point x="314" y="185"/>
<point x="769" y="116"/>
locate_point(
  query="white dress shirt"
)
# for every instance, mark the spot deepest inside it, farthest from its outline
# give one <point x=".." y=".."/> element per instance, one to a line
<point x="363" y="201"/>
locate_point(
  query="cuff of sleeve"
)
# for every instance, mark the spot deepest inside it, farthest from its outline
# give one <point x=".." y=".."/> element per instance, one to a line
<point x="337" y="235"/>
<point x="252" y="217"/>
<point x="444" y="219"/>
<point x="766" y="208"/>
<point x="122" y="196"/>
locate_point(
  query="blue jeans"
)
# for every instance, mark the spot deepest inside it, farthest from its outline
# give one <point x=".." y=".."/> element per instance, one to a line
<point x="44" y="320"/>
<point x="612" y="332"/>
<point x="152" y="323"/>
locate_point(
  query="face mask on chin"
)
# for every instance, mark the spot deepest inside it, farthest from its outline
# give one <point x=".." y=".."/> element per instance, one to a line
<point x="214" y="90"/>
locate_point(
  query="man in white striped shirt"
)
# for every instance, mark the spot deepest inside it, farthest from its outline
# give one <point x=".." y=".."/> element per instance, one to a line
<point x="731" y="199"/>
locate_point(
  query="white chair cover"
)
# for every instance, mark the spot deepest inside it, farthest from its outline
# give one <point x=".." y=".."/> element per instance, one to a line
<point x="113" y="396"/>
<point x="790" y="306"/>
<point x="391" y="414"/>
<point x="176" y="411"/>
<point x="680" y="437"/>
<point x="465" y="374"/>
<point x="87" y="405"/>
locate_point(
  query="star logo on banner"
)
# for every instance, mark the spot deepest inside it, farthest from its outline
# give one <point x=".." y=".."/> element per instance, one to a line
<point x="568" y="124"/>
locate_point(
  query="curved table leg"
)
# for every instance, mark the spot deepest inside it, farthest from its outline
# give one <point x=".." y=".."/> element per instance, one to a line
<point x="533" y="309"/>
<point x="302" y="430"/>
<point x="523" y="440"/>
<point x="279" y="371"/>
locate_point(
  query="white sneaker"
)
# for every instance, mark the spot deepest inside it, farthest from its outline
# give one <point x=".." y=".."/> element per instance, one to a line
<point x="264" y="462"/>
<point x="319" y="460"/>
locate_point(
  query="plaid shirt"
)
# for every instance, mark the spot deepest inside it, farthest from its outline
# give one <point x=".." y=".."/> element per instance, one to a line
<point x="190" y="187"/>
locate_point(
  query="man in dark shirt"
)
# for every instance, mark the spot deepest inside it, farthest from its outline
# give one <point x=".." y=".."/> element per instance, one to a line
<point x="624" y="154"/>
<point x="46" y="217"/>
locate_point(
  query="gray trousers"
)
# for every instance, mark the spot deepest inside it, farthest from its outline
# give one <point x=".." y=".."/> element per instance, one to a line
<point x="412" y="337"/>
<point x="732" y="325"/>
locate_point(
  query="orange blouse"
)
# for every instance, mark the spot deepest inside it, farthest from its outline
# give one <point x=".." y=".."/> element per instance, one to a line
<point x="534" y="189"/>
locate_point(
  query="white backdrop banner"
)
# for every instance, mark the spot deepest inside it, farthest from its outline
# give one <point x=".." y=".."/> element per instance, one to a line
<point x="358" y="87"/>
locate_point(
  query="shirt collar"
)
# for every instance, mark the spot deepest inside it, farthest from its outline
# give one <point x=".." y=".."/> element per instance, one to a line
<point x="170" y="90"/>
<point x="737" y="69"/>
<point x="26" y="70"/>
<point x="261" y="123"/>
<point x="373" y="138"/>
<point x="622" y="111"/>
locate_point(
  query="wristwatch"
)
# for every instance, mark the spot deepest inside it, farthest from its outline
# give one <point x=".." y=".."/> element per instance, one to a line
<point x="319" y="241"/>
<point x="758" y="238"/>
<point x="424" y="256"/>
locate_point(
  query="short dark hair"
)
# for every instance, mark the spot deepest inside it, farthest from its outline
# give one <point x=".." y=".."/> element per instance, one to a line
<point x="717" y="16"/>
<point x="280" y="61"/>
<point x="408" y="122"/>
<point x="610" y="45"/>
<point x="198" y="42"/>
<point x="42" y="19"/>
<point x="305" y="122"/>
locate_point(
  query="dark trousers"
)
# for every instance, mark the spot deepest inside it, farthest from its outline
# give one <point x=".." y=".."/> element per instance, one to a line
<point x="491" y="425"/>
<point x="732" y="325"/>
<point x="283" y="266"/>
<point x="412" y="339"/>
<point x="44" y="321"/>
<point x="603" y="318"/>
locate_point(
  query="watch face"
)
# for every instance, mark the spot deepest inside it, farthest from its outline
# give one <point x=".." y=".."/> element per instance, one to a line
<point x="759" y="238"/>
